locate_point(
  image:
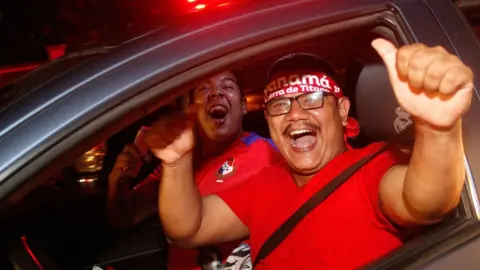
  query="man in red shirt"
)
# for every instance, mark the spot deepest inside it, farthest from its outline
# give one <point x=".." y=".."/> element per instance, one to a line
<point x="369" y="215"/>
<point x="225" y="156"/>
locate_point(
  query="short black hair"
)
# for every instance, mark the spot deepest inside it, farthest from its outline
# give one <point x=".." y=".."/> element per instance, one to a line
<point x="302" y="62"/>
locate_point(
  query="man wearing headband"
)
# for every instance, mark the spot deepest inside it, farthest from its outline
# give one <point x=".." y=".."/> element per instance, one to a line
<point x="225" y="156"/>
<point x="373" y="212"/>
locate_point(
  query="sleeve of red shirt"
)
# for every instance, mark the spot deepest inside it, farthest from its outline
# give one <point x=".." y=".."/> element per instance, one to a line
<point x="372" y="177"/>
<point x="241" y="198"/>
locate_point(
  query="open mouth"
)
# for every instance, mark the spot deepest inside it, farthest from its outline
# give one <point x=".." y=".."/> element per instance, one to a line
<point x="303" y="139"/>
<point x="218" y="112"/>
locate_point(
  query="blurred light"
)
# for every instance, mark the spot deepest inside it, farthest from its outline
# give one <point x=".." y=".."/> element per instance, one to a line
<point x="56" y="51"/>
<point x="87" y="180"/>
<point x="26" y="67"/>
<point x="201" y="6"/>
<point x="191" y="1"/>
<point x="30" y="252"/>
<point x="224" y="4"/>
<point x="92" y="160"/>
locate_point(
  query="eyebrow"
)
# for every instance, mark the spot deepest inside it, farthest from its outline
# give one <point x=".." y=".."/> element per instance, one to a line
<point x="228" y="79"/>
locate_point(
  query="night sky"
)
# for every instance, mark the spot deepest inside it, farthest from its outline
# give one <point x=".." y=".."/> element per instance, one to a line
<point x="28" y="26"/>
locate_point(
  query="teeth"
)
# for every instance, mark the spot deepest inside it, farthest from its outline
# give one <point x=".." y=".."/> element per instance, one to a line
<point x="300" y="131"/>
<point x="217" y="108"/>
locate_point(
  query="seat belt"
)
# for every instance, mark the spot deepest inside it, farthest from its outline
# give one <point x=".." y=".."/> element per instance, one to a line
<point x="286" y="228"/>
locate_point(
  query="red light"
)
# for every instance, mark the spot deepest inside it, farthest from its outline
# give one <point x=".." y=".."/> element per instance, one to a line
<point x="224" y="4"/>
<point x="55" y="52"/>
<point x="191" y="1"/>
<point x="27" y="67"/>
<point x="30" y="252"/>
<point x="201" y="6"/>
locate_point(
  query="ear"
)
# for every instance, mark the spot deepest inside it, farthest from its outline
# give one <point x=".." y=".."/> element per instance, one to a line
<point x="343" y="109"/>
<point x="244" y="106"/>
<point x="265" y="113"/>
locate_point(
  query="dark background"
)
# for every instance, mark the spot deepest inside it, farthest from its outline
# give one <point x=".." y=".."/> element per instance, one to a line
<point x="28" y="26"/>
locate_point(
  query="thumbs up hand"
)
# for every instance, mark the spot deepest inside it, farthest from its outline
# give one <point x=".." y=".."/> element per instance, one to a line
<point x="432" y="85"/>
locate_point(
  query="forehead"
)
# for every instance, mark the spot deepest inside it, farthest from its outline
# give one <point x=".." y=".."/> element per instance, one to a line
<point x="220" y="77"/>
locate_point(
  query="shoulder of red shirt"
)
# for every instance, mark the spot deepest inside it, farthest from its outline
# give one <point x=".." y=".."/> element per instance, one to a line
<point x="248" y="139"/>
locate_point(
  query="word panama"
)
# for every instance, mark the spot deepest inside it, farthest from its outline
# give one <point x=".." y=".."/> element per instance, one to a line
<point x="294" y="83"/>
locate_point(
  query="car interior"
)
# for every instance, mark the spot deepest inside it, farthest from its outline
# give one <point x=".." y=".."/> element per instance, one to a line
<point x="62" y="223"/>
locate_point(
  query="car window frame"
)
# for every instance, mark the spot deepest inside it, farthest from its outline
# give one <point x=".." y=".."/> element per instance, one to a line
<point x="143" y="84"/>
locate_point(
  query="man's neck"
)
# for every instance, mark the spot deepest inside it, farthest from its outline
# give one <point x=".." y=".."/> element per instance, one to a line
<point x="209" y="148"/>
<point x="302" y="180"/>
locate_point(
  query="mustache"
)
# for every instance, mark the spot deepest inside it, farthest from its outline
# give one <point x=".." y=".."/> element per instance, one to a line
<point x="302" y="124"/>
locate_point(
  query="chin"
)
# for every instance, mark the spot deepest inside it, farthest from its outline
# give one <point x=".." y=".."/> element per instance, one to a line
<point x="304" y="163"/>
<point x="305" y="169"/>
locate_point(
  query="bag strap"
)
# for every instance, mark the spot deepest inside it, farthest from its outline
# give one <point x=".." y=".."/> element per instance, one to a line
<point x="286" y="228"/>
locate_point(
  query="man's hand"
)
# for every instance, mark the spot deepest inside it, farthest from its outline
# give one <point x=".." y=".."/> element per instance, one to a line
<point x="171" y="138"/>
<point x="432" y="85"/>
<point x="122" y="211"/>
<point x="435" y="87"/>
<point x="126" y="166"/>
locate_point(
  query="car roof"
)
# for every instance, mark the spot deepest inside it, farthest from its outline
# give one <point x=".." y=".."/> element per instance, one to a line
<point x="49" y="106"/>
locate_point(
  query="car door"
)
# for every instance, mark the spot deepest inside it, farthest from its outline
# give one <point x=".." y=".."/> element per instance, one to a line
<point x="58" y="119"/>
<point x="455" y="34"/>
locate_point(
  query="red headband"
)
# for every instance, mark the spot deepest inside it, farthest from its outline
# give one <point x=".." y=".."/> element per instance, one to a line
<point x="305" y="82"/>
<point x="300" y="82"/>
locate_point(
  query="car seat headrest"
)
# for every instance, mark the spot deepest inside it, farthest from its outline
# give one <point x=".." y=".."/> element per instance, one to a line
<point x="378" y="112"/>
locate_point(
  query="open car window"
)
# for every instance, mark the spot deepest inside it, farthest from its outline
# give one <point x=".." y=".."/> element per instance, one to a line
<point x="345" y="42"/>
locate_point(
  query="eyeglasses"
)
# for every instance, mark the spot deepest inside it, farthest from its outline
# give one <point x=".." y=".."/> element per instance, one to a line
<point x="306" y="101"/>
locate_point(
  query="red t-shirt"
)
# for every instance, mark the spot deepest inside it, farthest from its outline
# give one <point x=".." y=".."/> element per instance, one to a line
<point x="345" y="231"/>
<point x="245" y="158"/>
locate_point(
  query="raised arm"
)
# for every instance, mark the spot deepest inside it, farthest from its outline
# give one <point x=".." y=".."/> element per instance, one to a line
<point x="188" y="219"/>
<point x="435" y="87"/>
<point x="126" y="207"/>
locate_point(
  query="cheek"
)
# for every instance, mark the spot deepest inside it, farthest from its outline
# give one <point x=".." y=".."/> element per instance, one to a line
<point x="198" y="106"/>
<point x="325" y="115"/>
<point x="235" y="103"/>
<point x="234" y="98"/>
<point x="275" y="126"/>
<point x="201" y="116"/>
<point x="199" y="98"/>
<point x="330" y="121"/>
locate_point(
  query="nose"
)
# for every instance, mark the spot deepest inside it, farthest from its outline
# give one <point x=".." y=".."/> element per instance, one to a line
<point x="215" y="92"/>
<point x="296" y="113"/>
